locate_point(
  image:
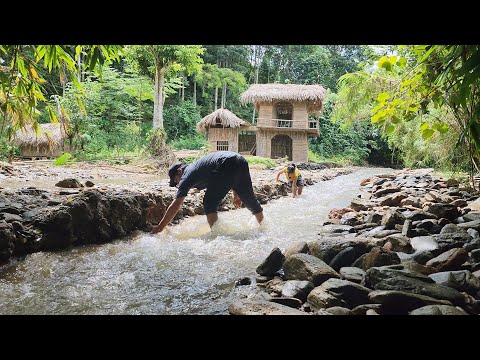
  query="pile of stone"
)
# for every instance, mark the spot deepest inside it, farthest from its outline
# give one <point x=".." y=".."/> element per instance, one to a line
<point x="408" y="244"/>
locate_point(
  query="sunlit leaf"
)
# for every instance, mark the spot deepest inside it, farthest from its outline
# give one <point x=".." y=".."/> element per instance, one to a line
<point x="401" y="62"/>
<point x="424" y="126"/>
<point x="389" y="129"/>
<point x="427" y="133"/>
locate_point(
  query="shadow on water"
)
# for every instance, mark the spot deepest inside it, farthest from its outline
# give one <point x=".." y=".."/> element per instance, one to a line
<point x="187" y="269"/>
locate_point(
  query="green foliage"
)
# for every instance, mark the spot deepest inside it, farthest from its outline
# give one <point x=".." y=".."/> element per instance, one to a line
<point x="64" y="159"/>
<point x="181" y="120"/>
<point x="196" y="142"/>
<point x="258" y="160"/>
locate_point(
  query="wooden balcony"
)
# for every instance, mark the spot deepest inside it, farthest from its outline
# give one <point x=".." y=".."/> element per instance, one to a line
<point x="311" y="126"/>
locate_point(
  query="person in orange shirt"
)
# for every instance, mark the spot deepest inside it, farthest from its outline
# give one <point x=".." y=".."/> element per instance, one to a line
<point x="295" y="180"/>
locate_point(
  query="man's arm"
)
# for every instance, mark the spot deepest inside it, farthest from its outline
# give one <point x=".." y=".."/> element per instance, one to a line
<point x="169" y="215"/>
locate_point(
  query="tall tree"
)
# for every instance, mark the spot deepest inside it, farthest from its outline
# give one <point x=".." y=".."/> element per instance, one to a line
<point x="158" y="60"/>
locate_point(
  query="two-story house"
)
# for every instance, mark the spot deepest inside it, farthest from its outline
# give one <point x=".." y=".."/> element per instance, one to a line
<point x="283" y="124"/>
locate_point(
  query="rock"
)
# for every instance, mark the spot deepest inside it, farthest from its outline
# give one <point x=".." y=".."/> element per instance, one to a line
<point x="442" y="210"/>
<point x="400" y="243"/>
<point x="449" y="260"/>
<point x="438" y="310"/>
<point x="401" y="302"/>
<point x="259" y="307"/>
<point x="470" y="225"/>
<point x="69" y="183"/>
<point x="243" y="281"/>
<point x="379" y="257"/>
<point x="326" y="248"/>
<point x="338" y="310"/>
<point x="351" y="218"/>
<point x="473" y="233"/>
<point x="353" y="274"/>
<point x="346" y="257"/>
<point x="320" y="299"/>
<point x="89" y="183"/>
<point x="363" y="309"/>
<point x="407" y="228"/>
<point x="361" y="204"/>
<point x="418" y="268"/>
<point x="287" y="301"/>
<point x="272" y="264"/>
<point x="391" y="218"/>
<point x="297" y="289"/>
<point x="300" y="247"/>
<point x="462" y="280"/>
<point x="262" y="279"/>
<point x="10" y="217"/>
<point x="308" y="267"/>
<point x="337" y="213"/>
<point x="371" y="312"/>
<point x="350" y="293"/>
<point x="383" y="278"/>
<point x="336" y="229"/>
<point x="418" y="215"/>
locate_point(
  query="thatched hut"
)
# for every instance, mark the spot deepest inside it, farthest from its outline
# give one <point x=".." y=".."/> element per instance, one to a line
<point x="226" y="131"/>
<point x="283" y="126"/>
<point x="51" y="141"/>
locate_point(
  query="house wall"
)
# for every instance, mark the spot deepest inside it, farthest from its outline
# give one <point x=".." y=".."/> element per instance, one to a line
<point x="43" y="150"/>
<point x="223" y="134"/>
<point x="299" y="143"/>
<point x="266" y="112"/>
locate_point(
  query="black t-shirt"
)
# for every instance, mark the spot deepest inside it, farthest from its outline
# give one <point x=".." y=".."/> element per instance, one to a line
<point x="197" y="174"/>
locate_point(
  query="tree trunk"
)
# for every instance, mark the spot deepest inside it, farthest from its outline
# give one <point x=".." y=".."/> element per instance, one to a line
<point x="216" y="97"/>
<point x="224" y="95"/>
<point x="195" y="93"/>
<point x="183" y="88"/>
<point x="159" y="98"/>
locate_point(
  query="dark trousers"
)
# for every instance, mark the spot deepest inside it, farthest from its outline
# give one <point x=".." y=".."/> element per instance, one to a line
<point x="234" y="174"/>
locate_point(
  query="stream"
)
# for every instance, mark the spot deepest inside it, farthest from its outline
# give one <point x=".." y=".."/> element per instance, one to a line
<point x="186" y="269"/>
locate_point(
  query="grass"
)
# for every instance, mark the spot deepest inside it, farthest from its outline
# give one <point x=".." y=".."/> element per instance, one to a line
<point x="258" y="160"/>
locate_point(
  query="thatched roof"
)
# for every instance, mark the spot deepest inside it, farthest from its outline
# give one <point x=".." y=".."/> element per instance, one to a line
<point x="51" y="134"/>
<point x="225" y="117"/>
<point x="312" y="94"/>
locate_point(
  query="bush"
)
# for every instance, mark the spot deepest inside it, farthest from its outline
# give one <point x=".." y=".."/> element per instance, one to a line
<point x="196" y="142"/>
<point x="266" y="162"/>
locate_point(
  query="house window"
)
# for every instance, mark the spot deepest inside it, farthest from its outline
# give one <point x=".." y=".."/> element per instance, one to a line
<point x="284" y="110"/>
<point x="222" y="145"/>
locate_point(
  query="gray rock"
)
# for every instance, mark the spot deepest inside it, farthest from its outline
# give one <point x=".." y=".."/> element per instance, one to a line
<point x="391" y="218"/>
<point x="69" y="183"/>
<point x="297" y="289"/>
<point x="362" y="309"/>
<point x="438" y="310"/>
<point x="10" y="217"/>
<point x="272" y="264"/>
<point x="259" y="307"/>
<point x="401" y="302"/>
<point x="473" y="233"/>
<point x="309" y="268"/>
<point x="353" y="274"/>
<point x="442" y="210"/>
<point x="379" y="278"/>
<point x="320" y="299"/>
<point x="462" y="280"/>
<point x="336" y="229"/>
<point x="400" y="243"/>
<point x="287" y="301"/>
<point x="470" y="225"/>
<point x="300" y="247"/>
<point x="418" y="215"/>
<point x="344" y="258"/>
<point x="351" y="293"/>
<point x="338" y="310"/>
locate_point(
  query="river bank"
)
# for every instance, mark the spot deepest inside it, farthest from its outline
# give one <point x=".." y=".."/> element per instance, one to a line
<point x="98" y="204"/>
<point x="408" y="244"/>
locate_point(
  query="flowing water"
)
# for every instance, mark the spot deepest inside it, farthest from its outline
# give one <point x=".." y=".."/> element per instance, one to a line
<point x="186" y="269"/>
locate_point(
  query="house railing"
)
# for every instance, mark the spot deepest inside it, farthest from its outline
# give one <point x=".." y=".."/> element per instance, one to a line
<point x="281" y="123"/>
<point x="312" y="124"/>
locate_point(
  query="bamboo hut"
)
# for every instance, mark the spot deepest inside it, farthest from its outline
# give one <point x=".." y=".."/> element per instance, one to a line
<point x="226" y="131"/>
<point x="49" y="143"/>
<point x="283" y="124"/>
